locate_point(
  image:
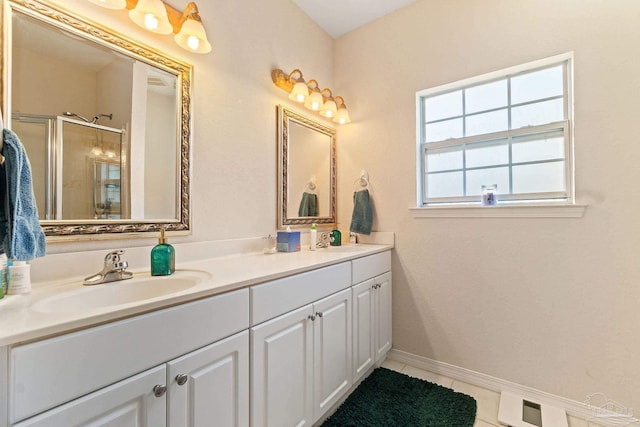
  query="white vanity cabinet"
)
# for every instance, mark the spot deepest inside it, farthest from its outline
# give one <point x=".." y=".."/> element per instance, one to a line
<point x="301" y="360"/>
<point x="117" y="374"/>
<point x="371" y="312"/>
<point x="131" y="402"/>
<point x="271" y="354"/>
<point x="210" y="385"/>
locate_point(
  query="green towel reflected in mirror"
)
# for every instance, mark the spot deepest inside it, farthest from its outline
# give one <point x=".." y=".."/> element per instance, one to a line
<point x="308" y="205"/>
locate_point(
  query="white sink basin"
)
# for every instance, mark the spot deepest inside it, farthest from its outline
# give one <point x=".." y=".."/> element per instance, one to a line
<point x="141" y="288"/>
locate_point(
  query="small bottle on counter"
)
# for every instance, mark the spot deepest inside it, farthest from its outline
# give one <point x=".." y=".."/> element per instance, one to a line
<point x="336" y="238"/>
<point x="163" y="257"/>
<point x="19" y="278"/>
<point x="313" y="237"/>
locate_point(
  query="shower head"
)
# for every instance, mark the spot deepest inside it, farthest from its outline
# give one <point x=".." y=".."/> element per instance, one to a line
<point x="70" y="114"/>
<point x="92" y="121"/>
<point x="97" y="117"/>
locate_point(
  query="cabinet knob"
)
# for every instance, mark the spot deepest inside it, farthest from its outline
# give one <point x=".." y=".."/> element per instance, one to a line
<point x="319" y="313"/>
<point x="159" y="390"/>
<point x="181" y="379"/>
<point x="312" y="317"/>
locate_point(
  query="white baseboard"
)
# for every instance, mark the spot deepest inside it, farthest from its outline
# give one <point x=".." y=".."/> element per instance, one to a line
<point x="573" y="408"/>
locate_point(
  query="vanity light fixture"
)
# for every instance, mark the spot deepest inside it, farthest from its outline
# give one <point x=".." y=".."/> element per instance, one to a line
<point x="329" y="108"/>
<point x="314" y="100"/>
<point x="160" y="18"/>
<point x="342" y="116"/>
<point x="309" y="93"/>
<point x="151" y="15"/>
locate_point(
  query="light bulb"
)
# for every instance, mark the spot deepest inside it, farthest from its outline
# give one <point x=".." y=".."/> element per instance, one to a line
<point x="151" y="22"/>
<point x="193" y="42"/>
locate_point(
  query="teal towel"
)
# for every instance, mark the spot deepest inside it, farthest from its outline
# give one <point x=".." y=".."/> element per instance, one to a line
<point x="308" y="205"/>
<point x="20" y="232"/>
<point x="362" y="218"/>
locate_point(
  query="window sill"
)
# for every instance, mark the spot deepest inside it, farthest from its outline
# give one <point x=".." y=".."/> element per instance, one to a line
<point x="500" y="211"/>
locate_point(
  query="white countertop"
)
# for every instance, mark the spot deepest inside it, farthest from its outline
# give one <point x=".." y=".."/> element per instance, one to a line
<point x="21" y="321"/>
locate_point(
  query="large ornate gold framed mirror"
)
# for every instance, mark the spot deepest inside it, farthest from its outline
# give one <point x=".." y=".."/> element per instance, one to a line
<point x="106" y="123"/>
<point x="306" y="170"/>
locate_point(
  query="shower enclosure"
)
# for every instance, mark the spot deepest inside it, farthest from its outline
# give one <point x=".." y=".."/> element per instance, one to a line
<point x="80" y="169"/>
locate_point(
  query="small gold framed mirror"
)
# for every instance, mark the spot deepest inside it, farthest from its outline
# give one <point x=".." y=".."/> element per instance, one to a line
<point x="306" y="170"/>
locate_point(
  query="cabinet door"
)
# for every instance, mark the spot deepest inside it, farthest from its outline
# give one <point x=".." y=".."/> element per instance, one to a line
<point x="211" y="385"/>
<point x="364" y="352"/>
<point x="128" y="403"/>
<point x="282" y="370"/>
<point x="383" y="315"/>
<point x="332" y="348"/>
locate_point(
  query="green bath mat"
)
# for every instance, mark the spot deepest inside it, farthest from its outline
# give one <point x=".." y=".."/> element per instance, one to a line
<point x="391" y="399"/>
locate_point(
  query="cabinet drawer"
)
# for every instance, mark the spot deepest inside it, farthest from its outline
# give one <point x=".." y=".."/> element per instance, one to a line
<point x="281" y="296"/>
<point x="371" y="266"/>
<point x="47" y="373"/>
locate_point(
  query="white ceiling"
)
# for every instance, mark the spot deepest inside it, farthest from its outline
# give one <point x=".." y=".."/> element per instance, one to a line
<point x="338" y="17"/>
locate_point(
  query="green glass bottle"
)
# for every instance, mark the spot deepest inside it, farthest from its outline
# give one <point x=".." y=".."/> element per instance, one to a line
<point x="336" y="238"/>
<point x="163" y="257"/>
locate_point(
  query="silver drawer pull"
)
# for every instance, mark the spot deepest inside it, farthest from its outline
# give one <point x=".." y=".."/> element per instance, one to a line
<point x="312" y="317"/>
<point x="181" y="379"/>
<point x="319" y="314"/>
<point x="159" y="390"/>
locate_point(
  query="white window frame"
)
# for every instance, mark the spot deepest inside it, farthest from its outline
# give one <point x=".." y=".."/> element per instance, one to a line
<point x="448" y="207"/>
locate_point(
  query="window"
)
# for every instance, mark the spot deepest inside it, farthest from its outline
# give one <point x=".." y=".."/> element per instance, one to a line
<point x="510" y="128"/>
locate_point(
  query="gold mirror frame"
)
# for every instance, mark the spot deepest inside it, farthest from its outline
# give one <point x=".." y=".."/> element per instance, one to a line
<point x="285" y="117"/>
<point x="63" y="19"/>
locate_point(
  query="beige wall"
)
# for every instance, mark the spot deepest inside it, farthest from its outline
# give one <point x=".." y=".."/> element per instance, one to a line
<point x="66" y="85"/>
<point x="548" y="303"/>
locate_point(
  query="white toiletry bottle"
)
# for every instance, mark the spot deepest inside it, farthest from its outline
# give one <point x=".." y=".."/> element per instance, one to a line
<point x="19" y="278"/>
<point x="313" y="237"/>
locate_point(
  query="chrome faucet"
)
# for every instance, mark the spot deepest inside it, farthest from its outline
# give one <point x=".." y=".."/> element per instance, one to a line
<point x="113" y="270"/>
<point x="324" y="241"/>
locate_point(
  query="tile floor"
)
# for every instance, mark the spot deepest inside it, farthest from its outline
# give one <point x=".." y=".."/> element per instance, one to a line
<point x="487" y="400"/>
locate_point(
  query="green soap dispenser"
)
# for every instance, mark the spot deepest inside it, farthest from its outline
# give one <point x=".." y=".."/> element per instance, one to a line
<point x="163" y="257"/>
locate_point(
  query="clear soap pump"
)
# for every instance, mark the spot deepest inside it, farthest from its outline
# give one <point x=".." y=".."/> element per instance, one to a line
<point x="163" y="257"/>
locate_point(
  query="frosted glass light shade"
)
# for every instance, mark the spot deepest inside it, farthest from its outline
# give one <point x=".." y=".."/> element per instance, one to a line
<point x="110" y="4"/>
<point x="300" y="92"/>
<point x="192" y="37"/>
<point x="314" y="101"/>
<point x="151" y="15"/>
<point x="329" y="109"/>
<point x="342" y="116"/>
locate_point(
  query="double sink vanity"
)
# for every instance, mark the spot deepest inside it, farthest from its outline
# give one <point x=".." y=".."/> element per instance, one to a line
<point x="243" y="340"/>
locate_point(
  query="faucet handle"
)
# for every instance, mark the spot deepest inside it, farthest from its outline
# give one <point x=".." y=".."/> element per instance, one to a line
<point x="121" y="266"/>
<point x="113" y="257"/>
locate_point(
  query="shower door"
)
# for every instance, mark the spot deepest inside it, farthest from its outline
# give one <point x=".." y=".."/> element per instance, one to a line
<point x="37" y="134"/>
<point x="79" y="169"/>
<point x="89" y="159"/>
